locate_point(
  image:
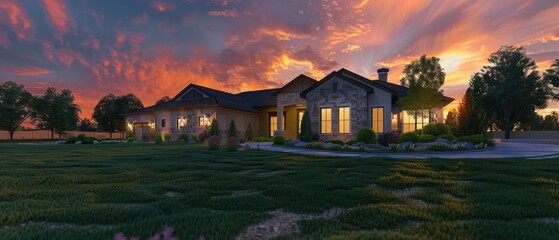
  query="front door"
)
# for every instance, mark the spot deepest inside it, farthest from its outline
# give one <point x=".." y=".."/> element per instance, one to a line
<point x="300" y="113"/>
<point x="141" y="131"/>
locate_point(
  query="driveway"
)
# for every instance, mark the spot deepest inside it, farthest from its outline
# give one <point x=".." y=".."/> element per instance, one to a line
<point x="502" y="150"/>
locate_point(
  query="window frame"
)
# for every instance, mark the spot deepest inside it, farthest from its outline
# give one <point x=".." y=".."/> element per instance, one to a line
<point x="375" y="122"/>
<point x="341" y="121"/>
<point x="179" y="127"/>
<point x="163" y="122"/>
<point x="327" y="121"/>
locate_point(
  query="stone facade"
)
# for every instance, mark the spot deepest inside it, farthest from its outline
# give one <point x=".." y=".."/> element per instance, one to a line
<point x="347" y="95"/>
<point x="192" y="126"/>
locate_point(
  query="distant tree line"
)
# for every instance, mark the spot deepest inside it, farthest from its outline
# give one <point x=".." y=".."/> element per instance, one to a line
<point x="56" y="111"/>
<point x="506" y="94"/>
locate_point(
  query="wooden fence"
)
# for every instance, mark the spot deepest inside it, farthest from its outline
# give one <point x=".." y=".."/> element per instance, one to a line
<point x="45" y="134"/>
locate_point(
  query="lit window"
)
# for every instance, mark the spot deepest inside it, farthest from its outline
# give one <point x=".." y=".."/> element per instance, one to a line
<point x="163" y="123"/>
<point x="300" y="118"/>
<point x="378" y="119"/>
<point x="273" y="125"/>
<point x="181" y="122"/>
<point x="343" y="120"/>
<point x="203" y="121"/>
<point x="325" y="120"/>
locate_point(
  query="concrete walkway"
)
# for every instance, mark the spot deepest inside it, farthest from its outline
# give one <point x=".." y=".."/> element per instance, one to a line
<point x="502" y="150"/>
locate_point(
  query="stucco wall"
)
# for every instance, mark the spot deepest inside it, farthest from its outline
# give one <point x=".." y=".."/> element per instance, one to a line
<point x="348" y="95"/>
<point x="241" y="119"/>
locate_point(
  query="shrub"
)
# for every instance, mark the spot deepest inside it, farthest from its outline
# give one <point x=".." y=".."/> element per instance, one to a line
<point x="202" y="136"/>
<point x="477" y="139"/>
<point x="279" y="140"/>
<point x="87" y="140"/>
<point x="426" y="138"/>
<point x="232" y="130"/>
<point x="183" y="137"/>
<point x="337" y="142"/>
<point x="387" y="138"/>
<point x="81" y="137"/>
<point x="167" y="137"/>
<point x="261" y="139"/>
<point x="158" y="139"/>
<point x="448" y="137"/>
<point x="214" y="129"/>
<point x="248" y="132"/>
<point x="409" y="137"/>
<point x="366" y="135"/>
<point x="436" y="129"/>
<point x="131" y="139"/>
<point x="336" y="147"/>
<point x="195" y="138"/>
<point x="213" y="142"/>
<point x="351" y="142"/>
<point x="72" y="140"/>
<point x="306" y="134"/>
<point x="440" y="147"/>
<point x="315" y="145"/>
<point x="233" y="144"/>
<point x="393" y="147"/>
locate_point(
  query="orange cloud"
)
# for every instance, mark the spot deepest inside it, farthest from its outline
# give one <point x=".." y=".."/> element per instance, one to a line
<point x="58" y="16"/>
<point x="11" y="12"/>
<point x="163" y="6"/>
<point x="25" y="70"/>
<point x="231" y="13"/>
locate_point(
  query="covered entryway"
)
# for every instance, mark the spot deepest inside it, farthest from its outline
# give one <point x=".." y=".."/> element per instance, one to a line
<point x="142" y="131"/>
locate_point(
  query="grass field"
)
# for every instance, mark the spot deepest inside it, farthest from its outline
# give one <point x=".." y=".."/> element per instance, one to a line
<point x="95" y="191"/>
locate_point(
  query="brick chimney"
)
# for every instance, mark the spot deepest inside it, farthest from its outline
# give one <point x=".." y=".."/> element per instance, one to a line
<point x="383" y="74"/>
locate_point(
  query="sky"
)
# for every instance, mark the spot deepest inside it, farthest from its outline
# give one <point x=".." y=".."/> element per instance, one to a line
<point x="156" y="48"/>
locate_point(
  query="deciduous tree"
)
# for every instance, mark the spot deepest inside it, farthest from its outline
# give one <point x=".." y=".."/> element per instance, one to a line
<point x="109" y="112"/>
<point x="14" y="106"/>
<point x="163" y="100"/>
<point x="55" y="111"/>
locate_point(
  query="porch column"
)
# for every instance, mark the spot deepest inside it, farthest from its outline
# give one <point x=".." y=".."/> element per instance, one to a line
<point x="280" y="119"/>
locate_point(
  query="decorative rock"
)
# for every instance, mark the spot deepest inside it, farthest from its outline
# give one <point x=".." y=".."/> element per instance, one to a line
<point x="328" y="145"/>
<point x="78" y="142"/>
<point x="354" y="148"/>
<point x="61" y="142"/>
<point x="359" y="144"/>
<point x="470" y="146"/>
<point x="443" y="141"/>
<point x="301" y="144"/>
<point x="294" y="142"/>
<point x="375" y="146"/>
<point x="95" y="141"/>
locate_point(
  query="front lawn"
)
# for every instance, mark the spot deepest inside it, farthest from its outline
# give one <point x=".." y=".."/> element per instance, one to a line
<point x="95" y="191"/>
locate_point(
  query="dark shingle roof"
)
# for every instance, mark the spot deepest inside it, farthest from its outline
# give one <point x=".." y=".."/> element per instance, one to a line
<point x="260" y="98"/>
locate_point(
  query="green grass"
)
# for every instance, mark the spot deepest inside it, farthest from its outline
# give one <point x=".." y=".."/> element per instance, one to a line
<point x="95" y="191"/>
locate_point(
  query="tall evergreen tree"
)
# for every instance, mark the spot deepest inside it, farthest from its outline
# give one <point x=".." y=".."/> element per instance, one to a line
<point x="14" y="106"/>
<point x="471" y="118"/>
<point x="249" y="132"/>
<point x="232" y="130"/>
<point x="306" y="134"/>
<point x="214" y="128"/>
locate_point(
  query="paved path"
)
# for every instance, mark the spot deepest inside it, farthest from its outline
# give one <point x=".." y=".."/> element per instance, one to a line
<point x="502" y="150"/>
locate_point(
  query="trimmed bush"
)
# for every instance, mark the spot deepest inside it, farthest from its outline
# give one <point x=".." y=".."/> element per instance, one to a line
<point x="131" y="139"/>
<point x="477" y="139"/>
<point x="214" y="129"/>
<point x="261" y="139"/>
<point x="436" y="129"/>
<point x="279" y="140"/>
<point x="158" y="139"/>
<point x="409" y="137"/>
<point x="81" y="137"/>
<point x="337" y="142"/>
<point x="315" y="145"/>
<point x="232" y="130"/>
<point x="195" y="138"/>
<point x="213" y="142"/>
<point x="448" y="137"/>
<point x="167" y="137"/>
<point x="87" y="140"/>
<point x="387" y="138"/>
<point x="72" y="140"/>
<point x="366" y="135"/>
<point x="183" y="137"/>
<point x="248" y="132"/>
<point x="426" y="138"/>
<point x="336" y="148"/>
<point x="233" y="144"/>
<point x="306" y="134"/>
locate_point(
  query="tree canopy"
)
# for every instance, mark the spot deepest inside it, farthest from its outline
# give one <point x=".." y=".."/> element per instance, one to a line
<point x="14" y="106"/>
<point x="85" y="124"/>
<point x="471" y="118"/>
<point x="55" y="111"/>
<point x="163" y="100"/>
<point x="510" y="87"/>
<point x="108" y="113"/>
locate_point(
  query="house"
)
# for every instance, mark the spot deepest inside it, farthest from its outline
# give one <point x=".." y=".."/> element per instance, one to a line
<point x="338" y="106"/>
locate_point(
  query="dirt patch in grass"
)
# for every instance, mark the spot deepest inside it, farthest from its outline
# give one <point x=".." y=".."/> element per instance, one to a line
<point x="284" y="223"/>
<point x="406" y="192"/>
<point x="54" y="225"/>
<point x="417" y="202"/>
<point x="271" y="174"/>
<point x="242" y="193"/>
<point x="171" y="194"/>
<point x="547" y="220"/>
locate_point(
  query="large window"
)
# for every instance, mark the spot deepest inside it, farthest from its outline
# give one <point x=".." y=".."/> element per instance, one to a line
<point x="300" y="114"/>
<point x="415" y="120"/>
<point x="181" y="122"/>
<point x="326" y="120"/>
<point x="343" y="120"/>
<point x="203" y="121"/>
<point x="273" y="125"/>
<point x="377" y="119"/>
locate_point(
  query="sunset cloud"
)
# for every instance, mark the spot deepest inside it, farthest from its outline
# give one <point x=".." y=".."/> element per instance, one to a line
<point x="153" y="48"/>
